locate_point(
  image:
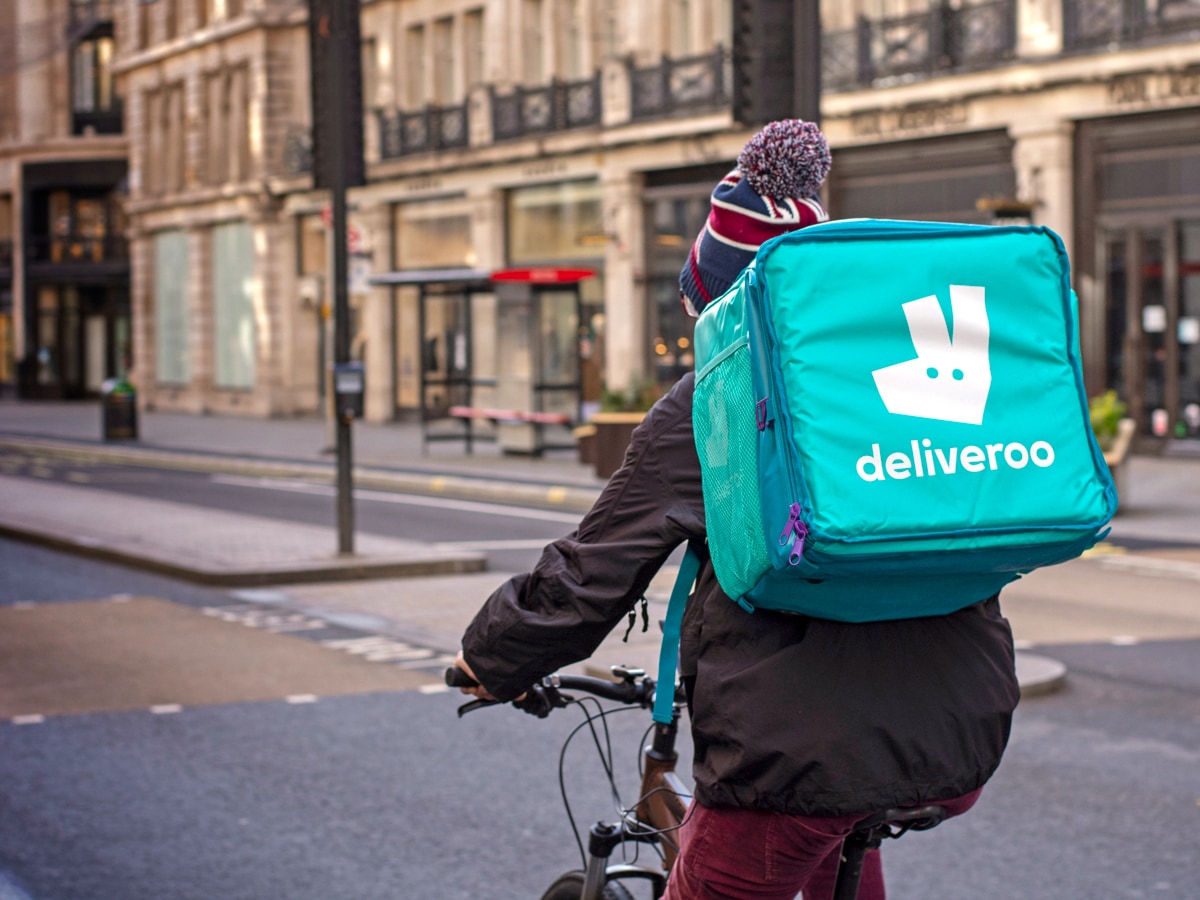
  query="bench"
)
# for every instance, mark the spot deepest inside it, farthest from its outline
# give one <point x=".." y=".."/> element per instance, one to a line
<point x="469" y="415"/>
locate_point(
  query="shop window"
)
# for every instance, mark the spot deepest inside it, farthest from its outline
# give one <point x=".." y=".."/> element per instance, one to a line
<point x="82" y="228"/>
<point x="433" y="234"/>
<point x="171" y="316"/>
<point x="556" y="222"/>
<point x="234" y="331"/>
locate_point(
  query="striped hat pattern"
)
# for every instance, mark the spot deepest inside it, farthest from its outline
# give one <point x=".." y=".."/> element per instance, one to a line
<point x="772" y="191"/>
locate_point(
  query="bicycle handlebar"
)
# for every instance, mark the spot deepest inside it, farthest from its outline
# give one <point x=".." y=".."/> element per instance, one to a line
<point x="634" y="689"/>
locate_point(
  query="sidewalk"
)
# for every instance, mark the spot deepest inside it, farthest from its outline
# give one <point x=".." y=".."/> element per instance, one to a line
<point x="1158" y="529"/>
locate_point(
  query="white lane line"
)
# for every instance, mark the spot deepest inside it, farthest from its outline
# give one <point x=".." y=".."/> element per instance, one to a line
<point x="166" y="709"/>
<point x="34" y="719"/>
<point x="1023" y="645"/>
<point x="296" y="699"/>
<point x="492" y="509"/>
<point x="1125" y="640"/>
<point x="434" y="689"/>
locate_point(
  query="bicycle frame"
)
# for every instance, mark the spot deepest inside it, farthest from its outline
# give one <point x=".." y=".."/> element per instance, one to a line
<point x="656" y="819"/>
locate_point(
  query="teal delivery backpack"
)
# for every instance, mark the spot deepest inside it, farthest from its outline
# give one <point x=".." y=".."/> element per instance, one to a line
<point x="891" y="421"/>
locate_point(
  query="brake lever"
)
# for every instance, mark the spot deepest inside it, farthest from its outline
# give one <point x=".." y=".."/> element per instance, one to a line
<point x="474" y="705"/>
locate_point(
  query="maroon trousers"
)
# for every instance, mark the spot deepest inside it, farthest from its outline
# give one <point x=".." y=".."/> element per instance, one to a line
<point x="745" y="854"/>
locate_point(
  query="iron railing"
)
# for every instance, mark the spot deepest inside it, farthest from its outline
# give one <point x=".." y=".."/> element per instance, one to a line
<point x="1098" y="23"/>
<point x="433" y="128"/>
<point x="99" y="121"/>
<point x="689" y="85"/>
<point x="557" y="106"/>
<point x="942" y="39"/>
<point x="298" y="150"/>
<point x="41" y="248"/>
<point x="85" y="15"/>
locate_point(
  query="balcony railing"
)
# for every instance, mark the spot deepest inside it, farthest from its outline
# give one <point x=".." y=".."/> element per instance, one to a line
<point x="77" y="250"/>
<point x="85" y="15"/>
<point x="555" y="107"/>
<point x="943" y="39"/>
<point x="675" y="86"/>
<point x="1098" y="23"/>
<point x="433" y="128"/>
<point x="298" y="150"/>
<point x="99" y="121"/>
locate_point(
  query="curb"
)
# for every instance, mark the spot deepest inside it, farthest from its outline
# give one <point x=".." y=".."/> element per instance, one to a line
<point x="1039" y="675"/>
<point x="556" y="497"/>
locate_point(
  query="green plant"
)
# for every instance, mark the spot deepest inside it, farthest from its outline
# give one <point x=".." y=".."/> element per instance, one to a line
<point x="1106" y="410"/>
<point x="638" y="397"/>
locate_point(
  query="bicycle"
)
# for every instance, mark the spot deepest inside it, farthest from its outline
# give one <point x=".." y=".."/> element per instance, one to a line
<point x="664" y="800"/>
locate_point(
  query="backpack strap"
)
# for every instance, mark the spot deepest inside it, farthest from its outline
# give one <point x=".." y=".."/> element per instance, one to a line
<point x="668" y="655"/>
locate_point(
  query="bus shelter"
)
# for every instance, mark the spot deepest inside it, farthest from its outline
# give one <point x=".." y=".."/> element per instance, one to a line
<point x="500" y="355"/>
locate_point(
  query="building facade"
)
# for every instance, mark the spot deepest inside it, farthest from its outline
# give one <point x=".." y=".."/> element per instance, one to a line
<point x="588" y="134"/>
<point x="65" y="318"/>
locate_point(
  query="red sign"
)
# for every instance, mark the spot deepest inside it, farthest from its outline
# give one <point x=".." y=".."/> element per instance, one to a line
<point x="543" y="276"/>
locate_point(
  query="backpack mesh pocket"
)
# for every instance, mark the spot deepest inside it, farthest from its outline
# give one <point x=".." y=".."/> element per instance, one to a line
<point x="727" y="443"/>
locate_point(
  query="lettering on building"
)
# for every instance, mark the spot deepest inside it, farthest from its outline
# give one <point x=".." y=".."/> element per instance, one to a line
<point x="423" y="184"/>
<point x="547" y="167"/>
<point x="923" y="119"/>
<point x="1154" y="88"/>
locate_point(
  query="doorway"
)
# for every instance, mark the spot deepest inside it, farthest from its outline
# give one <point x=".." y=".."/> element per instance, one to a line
<point x="1150" y="269"/>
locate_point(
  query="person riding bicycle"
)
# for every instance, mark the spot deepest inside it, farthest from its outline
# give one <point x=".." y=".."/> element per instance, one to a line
<point x="801" y="726"/>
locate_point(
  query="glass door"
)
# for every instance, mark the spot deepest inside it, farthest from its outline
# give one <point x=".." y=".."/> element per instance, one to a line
<point x="1187" y="330"/>
<point x="1152" y="345"/>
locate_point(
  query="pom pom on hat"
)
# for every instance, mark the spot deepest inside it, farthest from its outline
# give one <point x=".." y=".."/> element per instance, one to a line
<point x="788" y="158"/>
<point x="771" y="192"/>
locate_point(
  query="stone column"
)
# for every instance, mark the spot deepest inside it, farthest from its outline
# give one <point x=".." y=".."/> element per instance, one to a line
<point x="376" y="315"/>
<point x="624" y="290"/>
<point x="1043" y="158"/>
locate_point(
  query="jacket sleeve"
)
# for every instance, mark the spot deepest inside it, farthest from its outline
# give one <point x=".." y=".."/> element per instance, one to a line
<point x="584" y="584"/>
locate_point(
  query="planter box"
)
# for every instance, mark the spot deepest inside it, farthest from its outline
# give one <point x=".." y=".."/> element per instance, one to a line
<point x="611" y="440"/>
<point x="1117" y="457"/>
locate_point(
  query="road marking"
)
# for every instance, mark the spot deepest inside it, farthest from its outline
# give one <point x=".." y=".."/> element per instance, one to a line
<point x="271" y="620"/>
<point x="475" y="506"/>
<point x="120" y="598"/>
<point x="34" y="719"/>
<point x="1023" y="645"/>
<point x="445" y="689"/>
<point x="166" y="709"/>
<point x="297" y="699"/>
<point x="378" y="648"/>
<point x="1125" y="640"/>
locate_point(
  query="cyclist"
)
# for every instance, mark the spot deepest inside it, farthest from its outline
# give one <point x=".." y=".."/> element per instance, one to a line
<point x="801" y="726"/>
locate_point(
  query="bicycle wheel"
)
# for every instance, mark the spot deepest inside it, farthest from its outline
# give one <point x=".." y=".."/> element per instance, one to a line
<point x="570" y="886"/>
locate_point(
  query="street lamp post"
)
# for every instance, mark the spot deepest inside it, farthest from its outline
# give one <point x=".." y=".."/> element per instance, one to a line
<point x="338" y="165"/>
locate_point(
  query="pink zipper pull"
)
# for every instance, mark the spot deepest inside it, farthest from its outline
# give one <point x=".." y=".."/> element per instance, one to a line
<point x="796" y="528"/>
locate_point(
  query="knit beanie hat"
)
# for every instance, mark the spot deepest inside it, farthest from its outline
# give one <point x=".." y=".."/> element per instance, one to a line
<point x="772" y="191"/>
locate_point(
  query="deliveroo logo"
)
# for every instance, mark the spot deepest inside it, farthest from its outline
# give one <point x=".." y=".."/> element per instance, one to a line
<point x="949" y="380"/>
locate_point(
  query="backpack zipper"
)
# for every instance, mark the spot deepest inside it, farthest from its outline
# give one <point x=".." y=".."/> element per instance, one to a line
<point x="795" y="531"/>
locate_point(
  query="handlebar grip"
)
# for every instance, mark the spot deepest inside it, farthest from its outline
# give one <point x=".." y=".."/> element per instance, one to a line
<point x="457" y="678"/>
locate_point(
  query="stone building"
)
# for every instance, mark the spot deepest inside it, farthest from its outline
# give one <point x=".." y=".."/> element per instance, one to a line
<point x="588" y="134"/>
<point x="64" y="262"/>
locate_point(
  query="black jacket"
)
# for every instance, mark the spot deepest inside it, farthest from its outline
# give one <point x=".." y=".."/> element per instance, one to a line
<point x="788" y="713"/>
